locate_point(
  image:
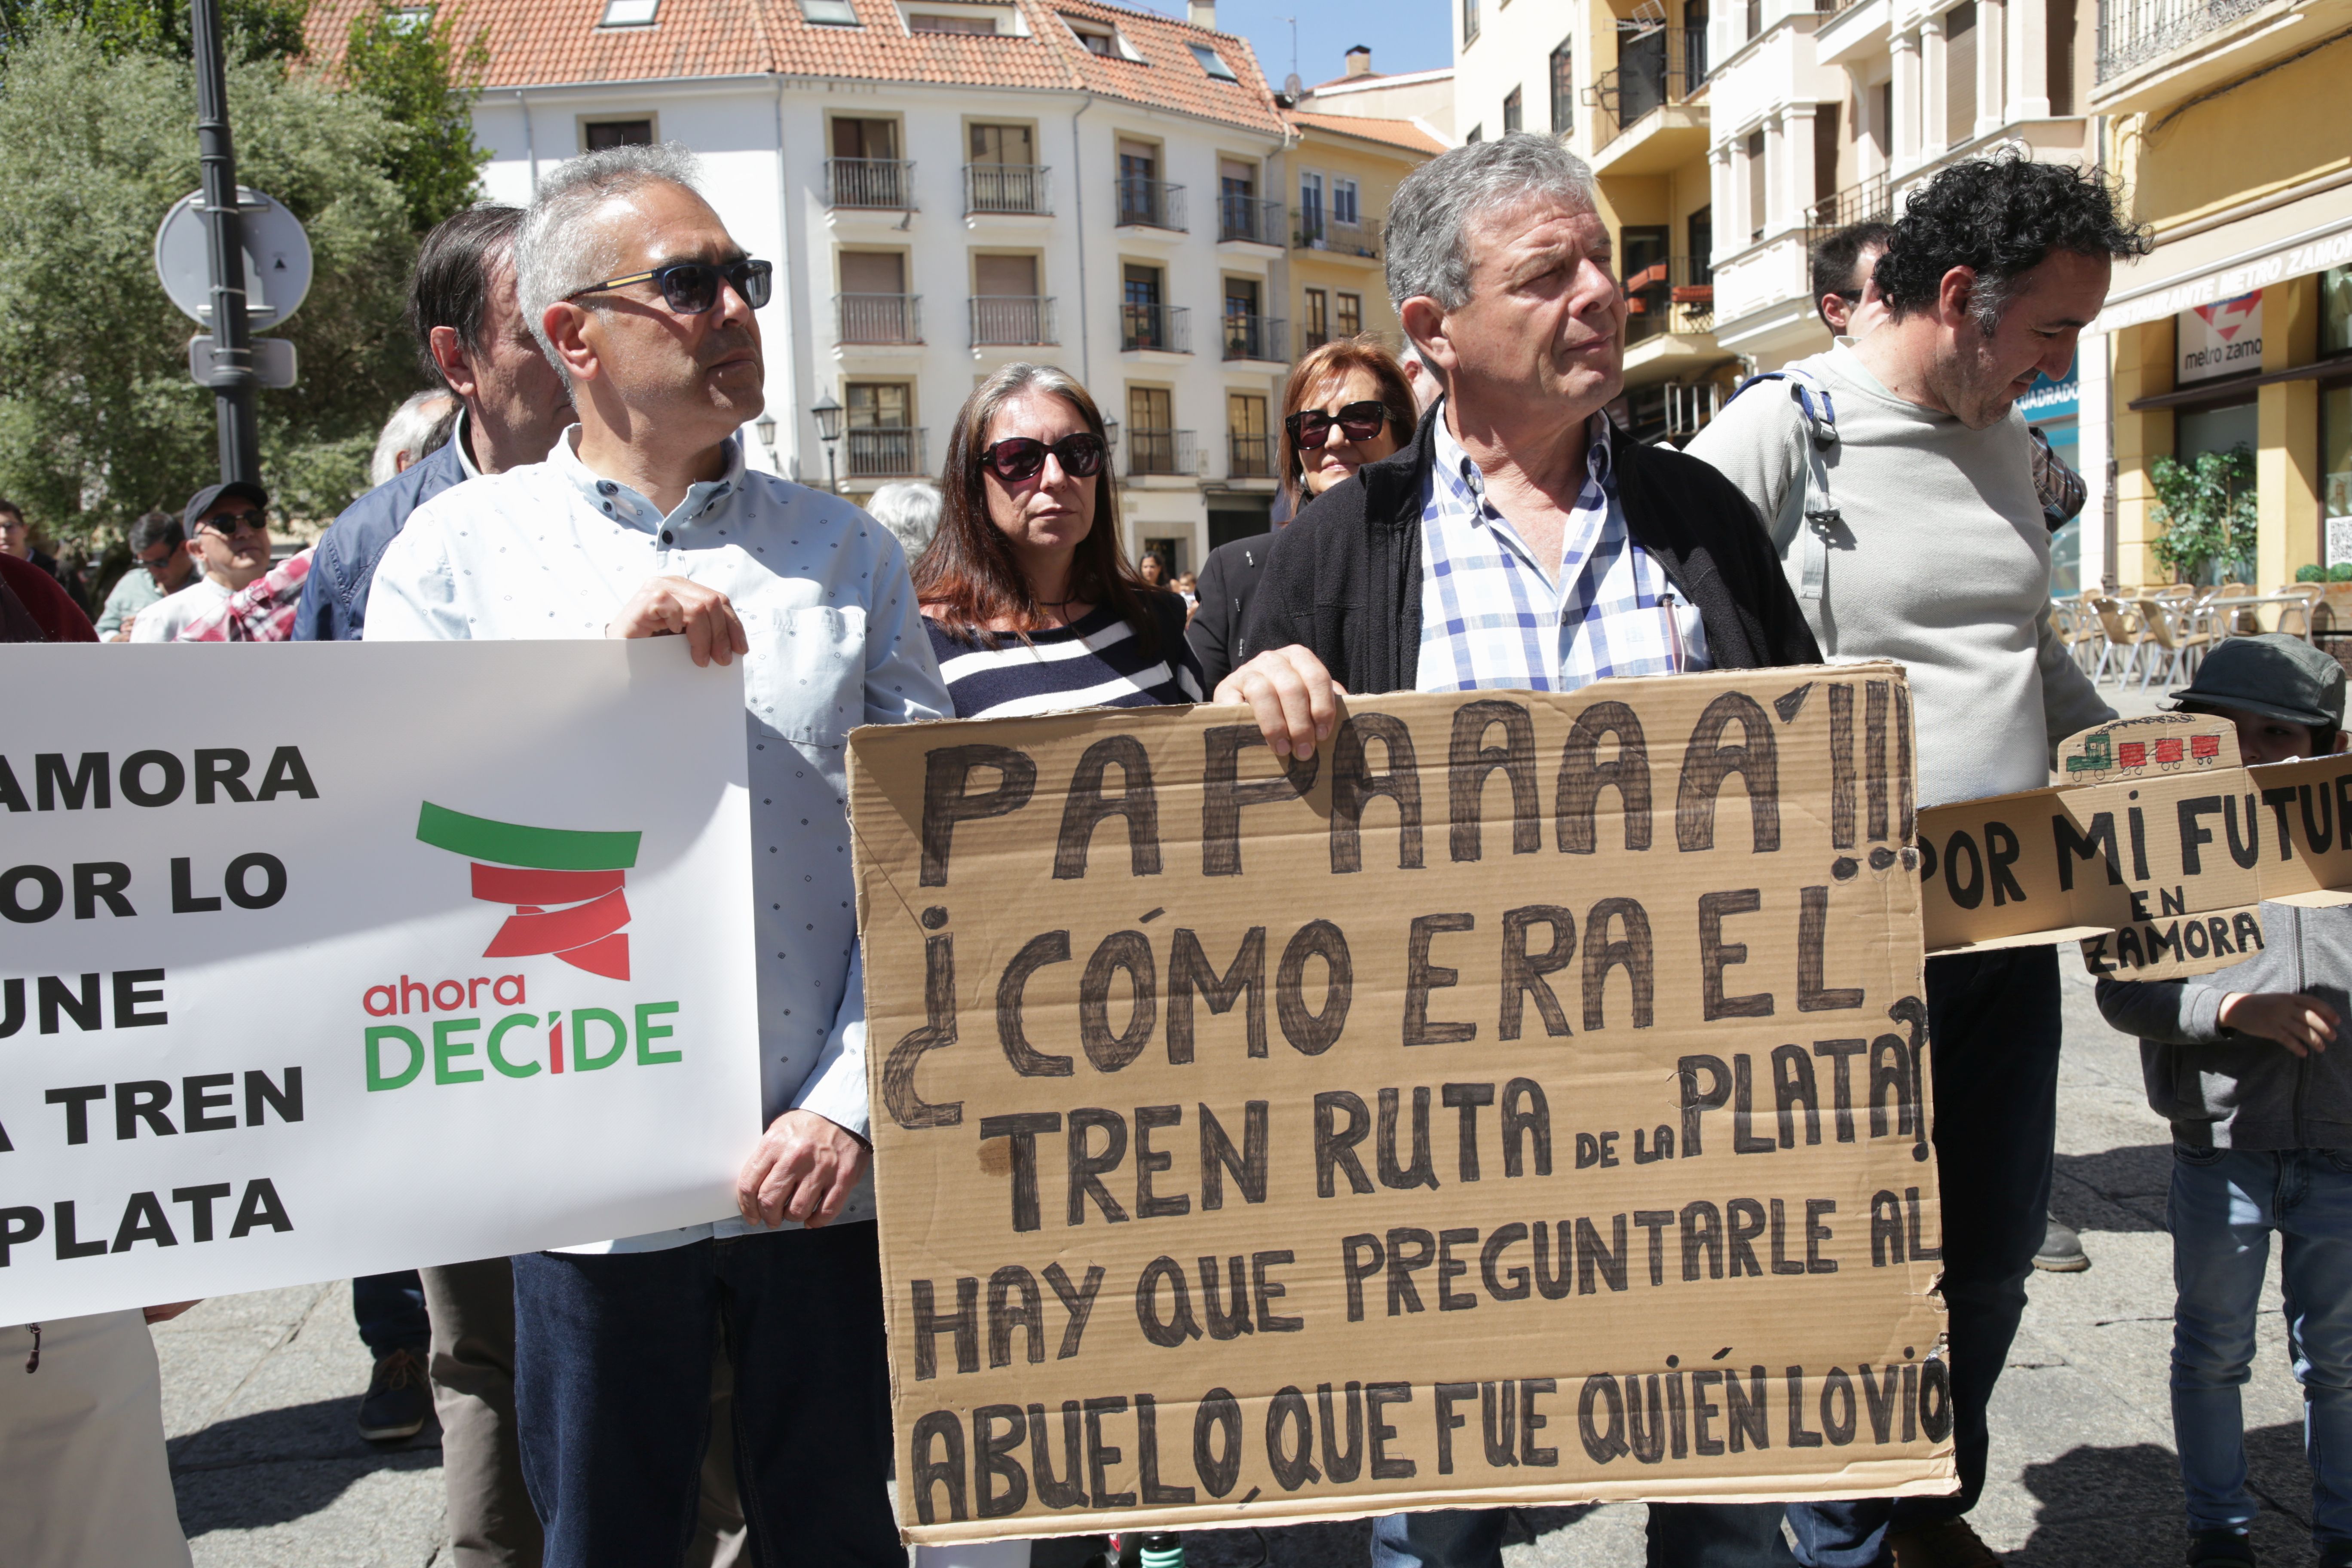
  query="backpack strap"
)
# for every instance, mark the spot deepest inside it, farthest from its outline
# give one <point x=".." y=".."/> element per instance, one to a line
<point x="1815" y="408"/>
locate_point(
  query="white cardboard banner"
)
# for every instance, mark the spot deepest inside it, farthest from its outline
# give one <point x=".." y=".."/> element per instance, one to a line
<point x="325" y="959"/>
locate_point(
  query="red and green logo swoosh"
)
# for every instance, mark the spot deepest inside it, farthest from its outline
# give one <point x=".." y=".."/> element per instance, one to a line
<point x="564" y="884"/>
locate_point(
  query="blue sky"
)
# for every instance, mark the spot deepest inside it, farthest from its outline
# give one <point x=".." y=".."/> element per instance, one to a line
<point x="1404" y="35"/>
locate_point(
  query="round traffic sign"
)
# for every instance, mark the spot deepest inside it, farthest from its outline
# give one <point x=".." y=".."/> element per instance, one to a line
<point x="277" y="258"/>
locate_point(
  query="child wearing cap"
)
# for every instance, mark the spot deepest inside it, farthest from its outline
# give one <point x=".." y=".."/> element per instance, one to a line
<point x="2261" y="1108"/>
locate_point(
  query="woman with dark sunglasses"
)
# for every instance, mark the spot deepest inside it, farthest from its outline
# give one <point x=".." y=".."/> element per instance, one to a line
<point x="1347" y="405"/>
<point x="1032" y="607"/>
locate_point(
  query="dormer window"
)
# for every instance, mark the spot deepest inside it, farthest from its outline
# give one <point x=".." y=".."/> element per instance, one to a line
<point x="1214" y="63"/>
<point x="629" y="13"/>
<point x="829" y="13"/>
<point x="1098" y="38"/>
<point x="927" y="22"/>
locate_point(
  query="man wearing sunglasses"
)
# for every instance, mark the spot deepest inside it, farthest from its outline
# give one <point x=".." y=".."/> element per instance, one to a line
<point x="1521" y="541"/>
<point x="228" y="531"/>
<point x="644" y="522"/>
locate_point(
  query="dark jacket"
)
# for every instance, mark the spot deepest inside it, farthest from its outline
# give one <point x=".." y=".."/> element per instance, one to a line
<point x="335" y="593"/>
<point x="1228" y="579"/>
<point x="1345" y="579"/>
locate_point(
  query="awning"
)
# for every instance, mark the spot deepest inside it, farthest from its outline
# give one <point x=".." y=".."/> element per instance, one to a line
<point x="2302" y="236"/>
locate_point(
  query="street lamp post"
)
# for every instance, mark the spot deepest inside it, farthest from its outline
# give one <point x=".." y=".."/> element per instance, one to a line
<point x="828" y="430"/>
<point x="765" y="428"/>
<point x="233" y="381"/>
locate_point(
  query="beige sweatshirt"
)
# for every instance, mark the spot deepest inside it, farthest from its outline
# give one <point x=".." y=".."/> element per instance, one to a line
<point x="1942" y="561"/>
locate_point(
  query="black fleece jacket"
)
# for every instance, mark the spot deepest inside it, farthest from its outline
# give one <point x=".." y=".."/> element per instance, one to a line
<point x="1345" y="578"/>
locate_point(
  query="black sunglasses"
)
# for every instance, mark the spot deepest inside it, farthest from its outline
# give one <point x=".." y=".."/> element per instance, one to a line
<point x="1021" y="456"/>
<point x="229" y="524"/>
<point x="1310" y="427"/>
<point x="690" y="288"/>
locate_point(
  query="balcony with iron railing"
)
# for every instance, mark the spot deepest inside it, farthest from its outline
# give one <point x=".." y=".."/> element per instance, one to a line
<point x="1332" y="237"/>
<point x="1646" y="124"/>
<point x="1007" y="188"/>
<point x="1257" y="337"/>
<point x="1151" y="204"/>
<point x="1249" y="220"/>
<point x="1158" y="328"/>
<point x="890" y="453"/>
<point x="1017" y="320"/>
<point x="877" y="319"/>
<point x="879" y="184"/>
<point x="2136" y="33"/>
<point x="1866" y="201"/>
<point x="1249" y="457"/>
<point x="1674" y="295"/>
<point x="1161" y="452"/>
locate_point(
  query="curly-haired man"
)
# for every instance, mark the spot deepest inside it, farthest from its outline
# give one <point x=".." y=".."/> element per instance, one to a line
<point x="1925" y="542"/>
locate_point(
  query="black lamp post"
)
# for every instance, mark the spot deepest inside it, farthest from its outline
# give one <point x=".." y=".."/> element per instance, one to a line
<point x="766" y="429"/>
<point x="828" y="430"/>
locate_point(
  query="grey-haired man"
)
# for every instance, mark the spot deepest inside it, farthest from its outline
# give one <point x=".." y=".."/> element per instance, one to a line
<point x="1520" y="542"/>
<point x="645" y="522"/>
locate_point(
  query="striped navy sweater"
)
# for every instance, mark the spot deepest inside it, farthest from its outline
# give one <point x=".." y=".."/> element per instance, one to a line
<point x="1095" y="662"/>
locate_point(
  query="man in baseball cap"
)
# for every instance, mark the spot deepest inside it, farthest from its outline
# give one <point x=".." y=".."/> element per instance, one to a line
<point x="2285" y="697"/>
<point x="228" y="538"/>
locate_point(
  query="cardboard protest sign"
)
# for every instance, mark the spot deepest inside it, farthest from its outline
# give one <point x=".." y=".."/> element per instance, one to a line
<point x="1524" y="1100"/>
<point x="2155" y="854"/>
<point x="326" y="960"/>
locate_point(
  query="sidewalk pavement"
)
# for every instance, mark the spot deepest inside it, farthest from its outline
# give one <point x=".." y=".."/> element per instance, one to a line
<point x="259" y="1389"/>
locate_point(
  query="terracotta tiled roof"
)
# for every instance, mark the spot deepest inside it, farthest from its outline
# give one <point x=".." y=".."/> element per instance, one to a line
<point x="534" y="42"/>
<point x="1395" y="133"/>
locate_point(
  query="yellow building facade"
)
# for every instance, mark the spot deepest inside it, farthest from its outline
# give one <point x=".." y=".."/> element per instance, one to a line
<point x="2228" y="125"/>
<point x="1343" y="169"/>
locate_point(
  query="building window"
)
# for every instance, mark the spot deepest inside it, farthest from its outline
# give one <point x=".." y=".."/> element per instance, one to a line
<point x="1702" y="246"/>
<point x="1511" y="113"/>
<point x="2335" y="310"/>
<point x="865" y="139"/>
<point x="1477" y="134"/>
<point x="1753" y="149"/>
<point x="882" y="440"/>
<point x="1310" y="206"/>
<point x="599" y="134"/>
<point x="1563" y="89"/>
<point x="628" y="14"/>
<point x="1344" y="206"/>
<point x="924" y="22"/>
<point x="1351" y="314"/>
<point x="1213" y="62"/>
<point x="1093" y="36"/>
<point x="2336" y="461"/>
<point x="1317" y="326"/>
<point x="1959" y="73"/>
<point x="1251" y="451"/>
<point x="829" y="13"/>
<point x="1150" y="433"/>
<point x="1469" y="22"/>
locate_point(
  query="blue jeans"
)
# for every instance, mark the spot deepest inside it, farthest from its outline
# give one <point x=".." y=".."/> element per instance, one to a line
<point x="390" y="1309"/>
<point x="2225" y="1204"/>
<point x="613" y="1397"/>
<point x="1993" y="1018"/>
<point x="1681" y="1535"/>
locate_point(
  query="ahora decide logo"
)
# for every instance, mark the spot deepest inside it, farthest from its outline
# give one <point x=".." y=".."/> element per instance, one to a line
<point x="566" y="887"/>
<point x="537" y="870"/>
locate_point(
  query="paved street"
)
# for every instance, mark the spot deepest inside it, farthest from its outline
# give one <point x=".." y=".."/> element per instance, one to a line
<point x="259" y="1391"/>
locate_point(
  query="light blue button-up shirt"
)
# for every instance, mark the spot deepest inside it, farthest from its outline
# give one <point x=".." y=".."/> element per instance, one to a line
<point x="552" y="549"/>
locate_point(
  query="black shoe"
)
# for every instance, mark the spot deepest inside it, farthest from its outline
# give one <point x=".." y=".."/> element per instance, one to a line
<point x="2062" y="1250"/>
<point x="398" y="1399"/>
<point x="2221" y="1548"/>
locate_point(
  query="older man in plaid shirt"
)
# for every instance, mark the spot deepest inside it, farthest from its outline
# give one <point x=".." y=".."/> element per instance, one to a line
<point x="1520" y="542"/>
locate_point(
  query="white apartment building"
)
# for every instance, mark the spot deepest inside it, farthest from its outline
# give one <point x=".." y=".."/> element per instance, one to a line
<point x="949" y="185"/>
<point x="1825" y="117"/>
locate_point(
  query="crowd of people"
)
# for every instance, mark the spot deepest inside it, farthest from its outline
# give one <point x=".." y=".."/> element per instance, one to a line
<point x="1466" y="517"/>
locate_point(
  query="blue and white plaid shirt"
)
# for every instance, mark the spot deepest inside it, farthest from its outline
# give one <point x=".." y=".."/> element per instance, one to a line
<point x="1491" y="617"/>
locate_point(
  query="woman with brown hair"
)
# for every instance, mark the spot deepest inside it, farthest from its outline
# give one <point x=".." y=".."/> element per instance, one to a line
<point x="1348" y="403"/>
<point x="1030" y="606"/>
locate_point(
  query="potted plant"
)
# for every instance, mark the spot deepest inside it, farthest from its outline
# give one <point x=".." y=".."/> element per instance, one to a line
<point x="2207" y="513"/>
